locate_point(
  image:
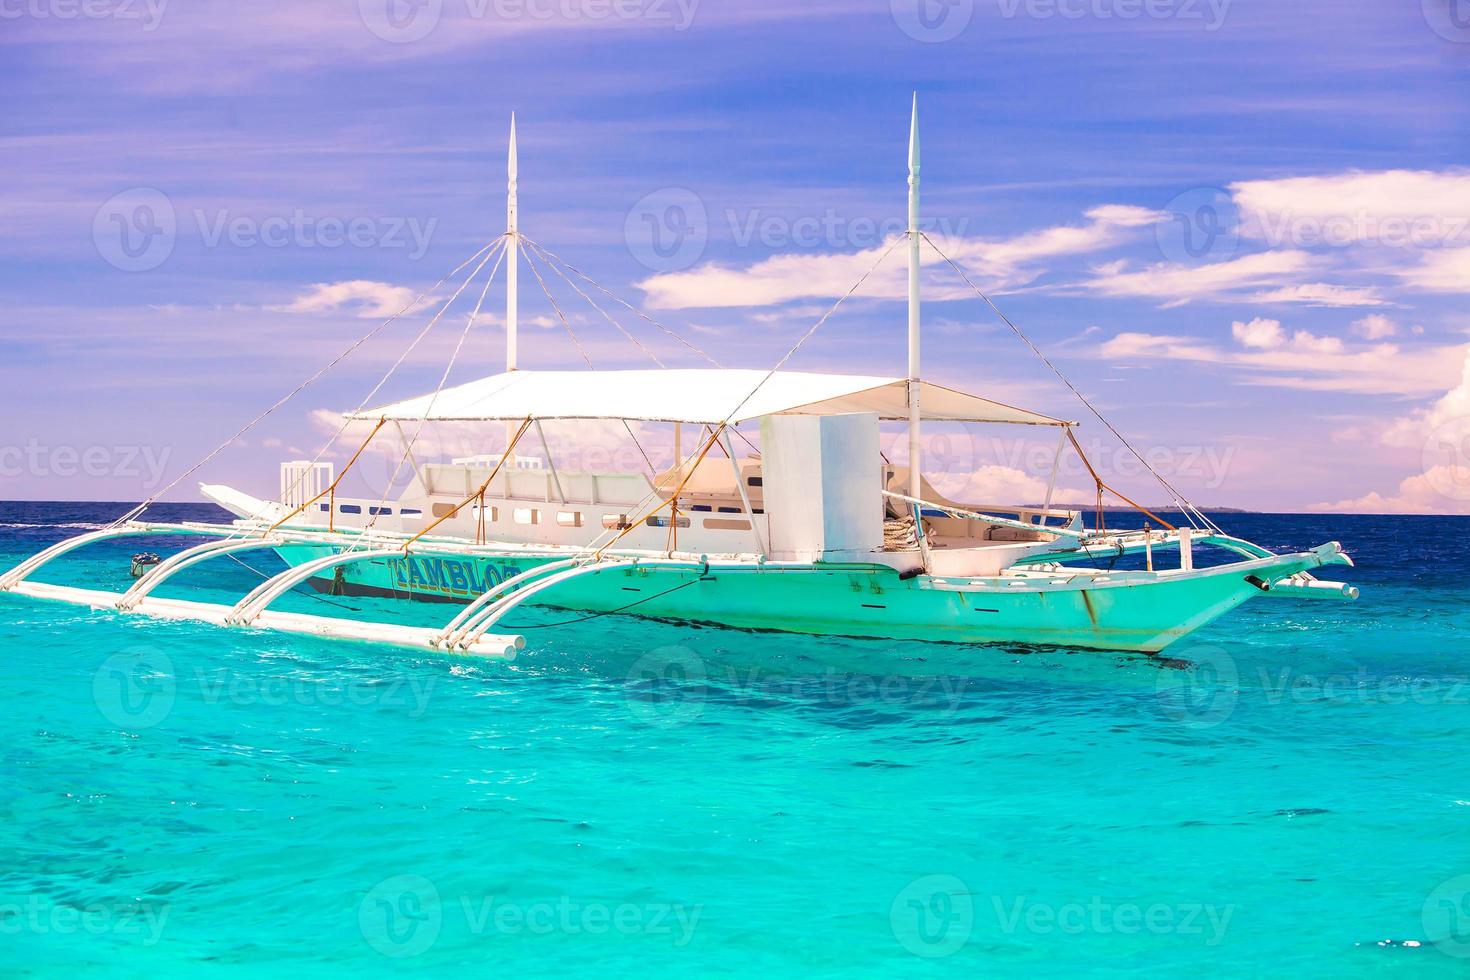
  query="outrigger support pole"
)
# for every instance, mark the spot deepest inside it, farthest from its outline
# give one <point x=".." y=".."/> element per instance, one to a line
<point x="188" y="558"/>
<point x="21" y="572"/>
<point x="252" y="611"/>
<point x="248" y="609"/>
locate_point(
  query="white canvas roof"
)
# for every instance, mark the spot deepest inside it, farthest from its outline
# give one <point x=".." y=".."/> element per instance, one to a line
<point x="698" y="396"/>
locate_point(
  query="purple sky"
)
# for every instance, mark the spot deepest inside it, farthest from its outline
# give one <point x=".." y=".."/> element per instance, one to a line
<point x="1241" y="226"/>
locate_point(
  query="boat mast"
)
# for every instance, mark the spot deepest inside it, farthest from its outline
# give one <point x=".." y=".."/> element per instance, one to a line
<point x="513" y="250"/>
<point x="512" y="285"/>
<point x="916" y="452"/>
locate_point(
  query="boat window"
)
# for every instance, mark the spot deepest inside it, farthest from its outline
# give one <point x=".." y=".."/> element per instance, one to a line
<point x="664" y="522"/>
<point x="729" y="510"/>
<point x="443" y="510"/>
<point x="527" y="515"/>
<point x="701" y="508"/>
<point x="325" y="507"/>
<point x="725" y="524"/>
<point x="410" y="512"/>
<point x="615" y="522"/>
<point x="569" y="518"/>
<point x="384" y="511"/>
<point x="350" y="509"/>
<point x="756" y="481"/>
<point x="490" y="513"/>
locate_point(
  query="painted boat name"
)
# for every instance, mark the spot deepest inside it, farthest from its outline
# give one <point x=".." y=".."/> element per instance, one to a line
<point x="451" y="576"/>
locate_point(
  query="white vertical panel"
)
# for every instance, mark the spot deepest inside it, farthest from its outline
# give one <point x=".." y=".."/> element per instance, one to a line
<point x="821" y="485"/>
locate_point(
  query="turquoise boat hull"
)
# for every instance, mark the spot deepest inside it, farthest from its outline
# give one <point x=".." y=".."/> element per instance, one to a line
<point x="1131" y="611"/>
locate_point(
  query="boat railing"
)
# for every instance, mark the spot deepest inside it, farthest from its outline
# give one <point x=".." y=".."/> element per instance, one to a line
<point x="1037" y="517"/>
<point x="949" y="510"/>
<point x="586" y="488"/>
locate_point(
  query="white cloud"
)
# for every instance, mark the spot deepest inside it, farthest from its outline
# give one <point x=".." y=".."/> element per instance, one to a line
<point x="1107" y="226"/>
<point x="1267" y="355"/>
<point x="1311" y="343"/>
<point x="785" y="316"/>
<point x="1445" y="271"/>
<point x="1440" y="434"/>
<point x="1323" y="294"/>
<point x="1151" y="345"/>
<point x="803" y="276"/>
<point x="989" y="484"/>
<point x="1261" y="333"/>
<point x="1413" y="431"/>
<point x="1375" y="326"/>
<point x="1423" y="493"/>
<point x="1179" y="284"/>
<point x="1418" y="208"/>
<point x="364" y="297"/>
<point x="1422" y="211"/>
<point x="778" y="279"/>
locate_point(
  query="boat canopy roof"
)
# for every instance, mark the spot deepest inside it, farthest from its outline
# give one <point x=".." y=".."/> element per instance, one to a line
<point x="696" y="396"/>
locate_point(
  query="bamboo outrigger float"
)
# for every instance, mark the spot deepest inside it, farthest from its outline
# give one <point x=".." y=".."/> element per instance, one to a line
<point x="815" y="533"/>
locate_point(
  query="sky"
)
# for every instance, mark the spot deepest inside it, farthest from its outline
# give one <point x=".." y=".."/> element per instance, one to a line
<point x="1240" y="227"/>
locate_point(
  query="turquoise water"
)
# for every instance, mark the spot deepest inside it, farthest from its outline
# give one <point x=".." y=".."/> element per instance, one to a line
<point x="1288" y="796"/>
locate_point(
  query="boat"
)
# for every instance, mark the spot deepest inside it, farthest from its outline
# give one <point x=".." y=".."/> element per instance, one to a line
<point x="810" y="529"/>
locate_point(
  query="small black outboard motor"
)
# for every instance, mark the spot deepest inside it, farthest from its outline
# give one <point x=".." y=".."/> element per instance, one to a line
<point x="143" y="562"/>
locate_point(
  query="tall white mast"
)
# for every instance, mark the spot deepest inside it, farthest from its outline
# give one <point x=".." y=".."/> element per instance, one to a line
<point x="513" y="252"/>
<point x="512" y="283"/>
<point x="916" y="452"/>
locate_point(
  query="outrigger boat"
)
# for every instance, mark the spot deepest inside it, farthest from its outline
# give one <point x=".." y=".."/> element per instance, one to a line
<point x="816" y="532"/>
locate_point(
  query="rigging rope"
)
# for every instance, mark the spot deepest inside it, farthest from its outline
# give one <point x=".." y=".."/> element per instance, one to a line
<point x="808" y="335"/>
<point x="295" y="588"/>
<point x="753" y="447"/>
<point x="443" y="380"/>
<point x="294" y="392"/>
<point x="578" y="343"/>
<point x="332" y="490"/>
<point x="599" y="615"/>
<point x="1189" y="510"/>
<point x="1101" y="486"/>
<point x="673" y="498"/>
<point x="592" y="303"/>
<point x="652" y="470"/>
<point x="559" y="314"/>
<point x="509" y="449"/>
<point x="596" y="551"/>
<point x="348" y="419"/>
<point x="554" y="260"/>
